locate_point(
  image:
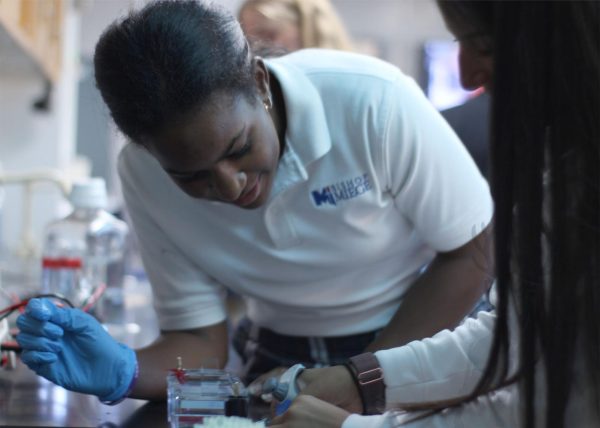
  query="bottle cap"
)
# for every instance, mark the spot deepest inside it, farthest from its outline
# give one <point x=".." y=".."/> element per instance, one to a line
<point x="89" y="193"/>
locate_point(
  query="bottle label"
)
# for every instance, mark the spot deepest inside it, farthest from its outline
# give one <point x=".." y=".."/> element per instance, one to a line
<point x="61" y="263"/>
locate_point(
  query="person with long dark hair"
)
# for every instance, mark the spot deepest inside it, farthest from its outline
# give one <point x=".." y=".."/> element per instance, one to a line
<point x="322" y="186"/>
<point x="535" y="362"/>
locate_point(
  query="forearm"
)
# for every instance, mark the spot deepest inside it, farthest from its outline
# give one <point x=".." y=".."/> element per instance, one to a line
<point x="206" y="347"/>
<point x="442" y="296"/>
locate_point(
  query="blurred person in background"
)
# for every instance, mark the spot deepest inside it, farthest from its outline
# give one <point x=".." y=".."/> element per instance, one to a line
<point x="289" y="25"/>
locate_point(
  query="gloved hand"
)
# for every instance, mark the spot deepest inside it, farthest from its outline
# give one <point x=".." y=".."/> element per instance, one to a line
<point x="70" y="348"/>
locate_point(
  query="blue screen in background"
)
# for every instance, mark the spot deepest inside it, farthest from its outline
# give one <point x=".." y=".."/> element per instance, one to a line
<point x="442" y="81"/>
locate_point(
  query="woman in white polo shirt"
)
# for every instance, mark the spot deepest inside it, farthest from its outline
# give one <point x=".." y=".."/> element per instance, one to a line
<point x="321" y="186"/>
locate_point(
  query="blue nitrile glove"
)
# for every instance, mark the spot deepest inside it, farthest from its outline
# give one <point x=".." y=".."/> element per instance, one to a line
<point x="282" y="407"/>
<point x="70" y="348"/>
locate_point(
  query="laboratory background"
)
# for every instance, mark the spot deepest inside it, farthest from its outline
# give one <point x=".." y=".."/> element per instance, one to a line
<point x="55" y="131"/>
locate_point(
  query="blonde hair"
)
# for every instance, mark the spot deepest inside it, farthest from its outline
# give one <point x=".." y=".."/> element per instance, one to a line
<point x="319" y="24"/>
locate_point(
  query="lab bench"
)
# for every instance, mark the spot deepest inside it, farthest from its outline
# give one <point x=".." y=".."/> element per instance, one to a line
<point x="29" y="400"/>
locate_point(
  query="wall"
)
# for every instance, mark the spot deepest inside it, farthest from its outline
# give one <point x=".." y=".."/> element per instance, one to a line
<point x="397" y="27"/>
<point x="32" y="139"/>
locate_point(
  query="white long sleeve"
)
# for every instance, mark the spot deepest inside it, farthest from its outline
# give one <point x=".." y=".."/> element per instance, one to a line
<point x="497" y="410"/>
<point x="445" y="366"/>
<point x="449" y="365"/>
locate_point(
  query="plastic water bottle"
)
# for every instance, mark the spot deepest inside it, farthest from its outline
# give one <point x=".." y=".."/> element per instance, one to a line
<point x="83" y="253"/>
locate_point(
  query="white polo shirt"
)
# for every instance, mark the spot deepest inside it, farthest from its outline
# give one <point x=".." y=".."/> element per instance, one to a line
<point x="372" y="183"/>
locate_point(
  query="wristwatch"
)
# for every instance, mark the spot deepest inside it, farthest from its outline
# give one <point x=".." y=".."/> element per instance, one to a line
<point x="367" y="374"/>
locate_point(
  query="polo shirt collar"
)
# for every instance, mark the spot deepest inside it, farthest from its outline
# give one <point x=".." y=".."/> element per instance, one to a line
<point x="307" y="132"/>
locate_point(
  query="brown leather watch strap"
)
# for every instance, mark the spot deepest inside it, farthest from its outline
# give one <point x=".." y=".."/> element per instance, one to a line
<point x="369" y="379"/>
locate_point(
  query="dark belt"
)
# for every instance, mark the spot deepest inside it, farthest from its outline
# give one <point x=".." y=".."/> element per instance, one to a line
<point x="310" y="351"/>
<point x="334" y="345"/>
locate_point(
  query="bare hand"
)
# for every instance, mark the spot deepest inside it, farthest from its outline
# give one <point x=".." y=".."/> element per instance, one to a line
<point x="256" y="386"/>
<point x="310" y="412"/>
<point x="334" y="385"/>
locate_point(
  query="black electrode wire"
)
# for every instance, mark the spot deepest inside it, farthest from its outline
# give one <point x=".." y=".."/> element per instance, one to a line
<point x="4" y="313"/>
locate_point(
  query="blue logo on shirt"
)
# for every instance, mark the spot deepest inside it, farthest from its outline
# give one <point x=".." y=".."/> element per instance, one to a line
<point x="342" y="191"/>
